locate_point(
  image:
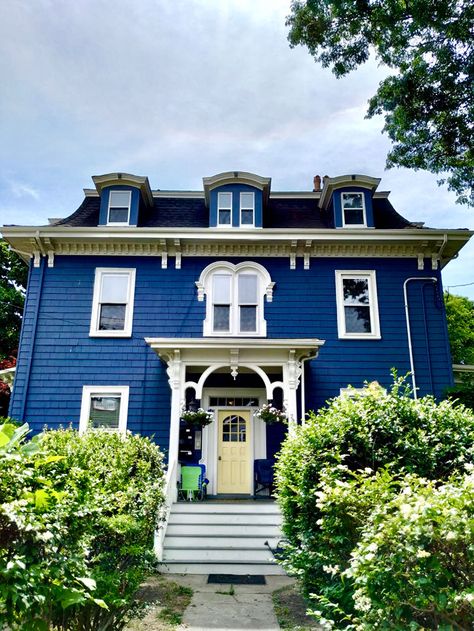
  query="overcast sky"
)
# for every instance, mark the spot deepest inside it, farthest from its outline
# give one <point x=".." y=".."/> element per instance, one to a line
<point x="181" y="90"/>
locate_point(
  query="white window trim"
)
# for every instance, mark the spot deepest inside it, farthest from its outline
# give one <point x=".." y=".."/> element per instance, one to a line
<point x="247" y="225"/>
<point x="224" y="225"/>
<point x="265" y="288"/>
<point x="89" y="391"/>
<point x="364" y="212"/>
<point x="374" y="309"/>
<point x="119" y="223"/>
<point x="127" y="330"/>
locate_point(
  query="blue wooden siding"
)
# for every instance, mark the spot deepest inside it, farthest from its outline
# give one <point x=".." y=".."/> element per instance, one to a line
<point x="57" y="357"/>
<point x="236" y="189"/>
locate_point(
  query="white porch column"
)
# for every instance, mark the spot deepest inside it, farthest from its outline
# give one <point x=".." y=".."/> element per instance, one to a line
<point x="291" y="381"/>
<point x="176" y="377"/>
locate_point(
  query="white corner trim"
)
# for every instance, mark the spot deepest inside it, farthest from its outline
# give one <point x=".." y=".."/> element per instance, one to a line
<point x="89" y="391"/>
<point x="100" y="272"/>
<point x="373" y="304"/>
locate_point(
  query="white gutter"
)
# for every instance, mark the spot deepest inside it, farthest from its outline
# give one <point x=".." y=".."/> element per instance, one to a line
<point x="407" y="316"/>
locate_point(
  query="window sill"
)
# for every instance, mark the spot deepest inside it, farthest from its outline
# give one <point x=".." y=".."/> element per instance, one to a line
<point x="110" y="334"/>
<point x="360" y="336"/>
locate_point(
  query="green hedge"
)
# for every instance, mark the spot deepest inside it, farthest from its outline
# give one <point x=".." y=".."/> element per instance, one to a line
<point x="77" y="519"/>
<point x="348" y="459"/>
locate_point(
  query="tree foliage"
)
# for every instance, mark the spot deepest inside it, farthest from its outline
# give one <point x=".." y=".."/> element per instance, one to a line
<point x="13" y="278"/>
<point x="350" y="458"/>
<point x="460" y="317"/>
<point x="428" y="102"/>
<point x="77" y="519"/>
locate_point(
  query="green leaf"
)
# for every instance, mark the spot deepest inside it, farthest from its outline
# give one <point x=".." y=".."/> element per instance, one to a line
<point x="101" y="603"/>
<point x="48" y="460"/>
<point x="88" y="582"/>
<point x="41" y="498"/>
<point x="71" y="597"/>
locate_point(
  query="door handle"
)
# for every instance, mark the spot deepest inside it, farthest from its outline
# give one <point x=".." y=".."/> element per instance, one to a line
<point x="219" y="458"/>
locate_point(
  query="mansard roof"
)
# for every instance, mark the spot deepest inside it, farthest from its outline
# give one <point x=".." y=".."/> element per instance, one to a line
<point x="283" y="211"/>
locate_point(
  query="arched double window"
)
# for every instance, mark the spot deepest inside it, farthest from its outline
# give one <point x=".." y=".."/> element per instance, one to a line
<point x="235" y="298"/>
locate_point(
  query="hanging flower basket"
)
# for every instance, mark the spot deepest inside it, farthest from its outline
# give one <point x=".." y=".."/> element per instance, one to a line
<point x="270" y="415"/>
<point x="197" y="418"/>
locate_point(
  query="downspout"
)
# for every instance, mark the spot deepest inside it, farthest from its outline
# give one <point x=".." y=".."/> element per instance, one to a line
<point x="33" y="338"/>
<point x="407" y="317"/>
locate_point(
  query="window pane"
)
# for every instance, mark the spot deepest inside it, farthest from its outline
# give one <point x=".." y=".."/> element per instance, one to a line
<point x="112" y="317"/>
<point x="118" y="215"/>
<point x="114" y="288"/>
<point x="357" y="319"/>
<point x="356" y="291"/>
<point x="105" y="411"/>
<point x="221" y="318"/>
<point x="354" y="216"/>
<point x="248" y="319"/>
<point x="221" y="289"/>
<point x="352" y="200"/>
<point x="225" y="200"/>
<point x="224" y="217"/>
<point x="246" y="218"/>
<point x="119" y="198"/>
<point x="247" y="289"/>
<point x="246" y="201"/>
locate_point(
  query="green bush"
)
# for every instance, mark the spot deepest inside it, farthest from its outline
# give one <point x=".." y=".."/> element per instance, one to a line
<point x="348" y="458"/>
<point x="414" y="565"/>
<point x="77" y="519"/>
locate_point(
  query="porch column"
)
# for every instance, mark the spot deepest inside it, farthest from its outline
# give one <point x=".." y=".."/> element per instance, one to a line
<point x="176" y="376"/>
<point x="291" y="381"/>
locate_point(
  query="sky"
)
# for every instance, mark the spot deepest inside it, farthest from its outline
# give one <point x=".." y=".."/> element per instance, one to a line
<point x="181" y="90"/>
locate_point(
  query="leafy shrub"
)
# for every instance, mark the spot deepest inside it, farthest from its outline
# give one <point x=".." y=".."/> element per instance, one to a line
<point x="348" y="458"/>
<point x="77" y="518"/>
<point x="414" y="565"/>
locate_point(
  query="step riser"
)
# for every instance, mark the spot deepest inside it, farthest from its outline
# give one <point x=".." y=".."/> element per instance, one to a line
<point x="265" y="530"/>
<point x="220" y="568"/>
<point x="198" y="518"/>
<point x="223" y="555"/>
<point x="203" y="507"/>
<point x="219" y="542"/>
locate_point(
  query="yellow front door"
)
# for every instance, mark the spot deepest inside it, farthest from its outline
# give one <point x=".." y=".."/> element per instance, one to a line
<point x="233" y="451"/>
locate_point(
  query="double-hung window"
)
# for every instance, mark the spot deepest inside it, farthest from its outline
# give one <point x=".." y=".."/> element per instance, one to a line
<point x="353" y="210"/>
<point x="118" y="212"/>
<point x="357" y="307"/>
<point x="235" y="298"/>
<point x="224" y="209"/>
<point x="112" y="306"/>
<point x="104" y="408"/>
<point x="247" y="209"/>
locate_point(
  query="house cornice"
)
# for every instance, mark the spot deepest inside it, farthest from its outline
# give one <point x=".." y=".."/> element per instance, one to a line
<point x="421" y="243"/>
<point x="236" y="177"/>
<point x="330" y="184"/>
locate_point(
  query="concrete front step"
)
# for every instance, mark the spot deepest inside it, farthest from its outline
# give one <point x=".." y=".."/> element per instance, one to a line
<point x="253" y="508"/>
<point x="268" y="569"/>
<point x="226" y="538"/>
<point x="224" y="518"/>
<point x="229" y="530"/>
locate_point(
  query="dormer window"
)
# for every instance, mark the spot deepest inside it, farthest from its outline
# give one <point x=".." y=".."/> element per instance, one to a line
<point x="235" y="298"/>
<point x="353" y="210"/>
<point x="224" y="209"/>
<point x="119" y="208"/>
<point x="247" y="209"/>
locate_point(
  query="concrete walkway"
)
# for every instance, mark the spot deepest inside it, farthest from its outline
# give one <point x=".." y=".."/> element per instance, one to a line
<point x="214" y="608"/>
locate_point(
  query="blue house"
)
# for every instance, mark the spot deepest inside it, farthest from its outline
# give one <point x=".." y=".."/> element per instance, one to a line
<point x="145" y="301"/>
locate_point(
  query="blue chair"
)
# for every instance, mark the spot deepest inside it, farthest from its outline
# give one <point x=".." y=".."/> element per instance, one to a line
<point x="263" y="475"/>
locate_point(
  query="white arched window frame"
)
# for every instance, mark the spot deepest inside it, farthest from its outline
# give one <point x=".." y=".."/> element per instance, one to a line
<point x="235" y="296"/>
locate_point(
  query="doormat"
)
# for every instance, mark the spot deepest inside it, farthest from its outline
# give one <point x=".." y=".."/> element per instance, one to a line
<point x="236" y="579"/>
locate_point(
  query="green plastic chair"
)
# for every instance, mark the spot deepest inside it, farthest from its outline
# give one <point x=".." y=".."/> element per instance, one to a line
<point x="191" y="483"/>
